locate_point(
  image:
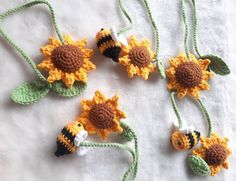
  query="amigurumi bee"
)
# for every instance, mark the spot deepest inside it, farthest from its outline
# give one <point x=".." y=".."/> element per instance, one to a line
<point x="109" y="43"/>
<point x="69" y="139"/>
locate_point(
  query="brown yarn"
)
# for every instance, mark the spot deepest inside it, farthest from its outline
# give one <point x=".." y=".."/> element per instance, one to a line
<point x="140" y="56"/>
<point x="102" y="116"/>
<point x="216" y="155"/>
<point x="189" y="74"/>
<point x="67" y="58"/>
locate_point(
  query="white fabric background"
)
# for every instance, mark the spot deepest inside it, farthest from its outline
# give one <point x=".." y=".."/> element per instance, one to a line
<point x="28" y="133"/>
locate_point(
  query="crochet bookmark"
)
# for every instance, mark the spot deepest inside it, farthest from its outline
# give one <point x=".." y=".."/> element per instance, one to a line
<point x="213" y="152"/>
<point x="136" y="56"/>
<point x="99" y="116"/>
<point x="188" y="75"/>
<point x="66" y="61"/>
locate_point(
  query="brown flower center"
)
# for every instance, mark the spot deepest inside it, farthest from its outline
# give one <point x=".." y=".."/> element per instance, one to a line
<point x="189" y="74"/>
<point x="102" y="116"/>
<point x="216" y="155"/>
<point x="67" y="58"/>
<point x="140" y="56"/>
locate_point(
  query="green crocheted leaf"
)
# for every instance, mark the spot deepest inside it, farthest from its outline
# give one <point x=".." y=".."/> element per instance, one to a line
<point x="161" y="69"/>
<point x="62" y="90"/>
<point x="217" y="64"/>
<point x="30" y="92"/>
<point x="198" y="165"/>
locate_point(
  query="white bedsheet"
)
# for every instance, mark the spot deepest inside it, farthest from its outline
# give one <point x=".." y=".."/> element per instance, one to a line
<point x="28" y="133"/>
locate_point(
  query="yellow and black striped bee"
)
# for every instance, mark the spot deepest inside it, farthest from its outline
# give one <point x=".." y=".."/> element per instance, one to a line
<point x="107" y="45"/>
<point x="65" y="140"/>
<point x="182" y="141"/>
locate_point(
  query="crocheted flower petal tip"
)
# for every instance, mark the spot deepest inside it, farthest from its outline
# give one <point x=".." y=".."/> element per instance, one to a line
<point x="101" y="115"/>
<point x="188" y="76"/>
<point x="137" y="58"/>
<point x="68" y="62"/>
<point x="215" y="151"/>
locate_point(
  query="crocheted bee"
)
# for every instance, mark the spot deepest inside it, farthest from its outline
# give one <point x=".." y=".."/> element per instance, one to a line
<point x="69" y="138"/>
<point x="182" y="141"/>
<point x="107" y="44"/>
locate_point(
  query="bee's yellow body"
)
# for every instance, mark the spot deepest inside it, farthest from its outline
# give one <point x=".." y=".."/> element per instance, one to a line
<point x="65" y="140"/>
<point x="107" y="46"/>
<point x="181" y="141"/>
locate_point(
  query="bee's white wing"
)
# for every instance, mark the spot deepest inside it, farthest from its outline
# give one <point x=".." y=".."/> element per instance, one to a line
<point x="121" y="38"/>
<point x="81" y="136"/>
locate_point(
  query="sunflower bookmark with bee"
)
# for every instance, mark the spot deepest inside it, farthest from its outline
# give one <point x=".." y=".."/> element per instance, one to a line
<point x="187" y="76"/>
<point x="136" y="56"/>
<point x="99" y="116"/>
<point x="66" y="61"/>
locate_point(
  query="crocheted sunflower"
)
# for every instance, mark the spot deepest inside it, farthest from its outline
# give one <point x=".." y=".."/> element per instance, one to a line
<point x="137" y="58"/>
<point x="188" y="77"/>
<point x="67" y="62"/>
<point x="214" y="151"/>
<point x="101" y="115"/>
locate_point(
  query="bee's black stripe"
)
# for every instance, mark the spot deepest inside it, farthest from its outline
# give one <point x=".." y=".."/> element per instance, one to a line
<point x="191" y="140"/>
<point x="61" y="149"/>
<point x="198" y="134"/>
<point x="113" y="52"/>
<point x="67" y="134"/>
<point x="103" y="40"/>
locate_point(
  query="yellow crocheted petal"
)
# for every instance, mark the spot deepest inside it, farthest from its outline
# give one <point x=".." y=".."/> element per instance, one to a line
<point x="88" y="53"/>
<point x="132" y="41"/>
<point x="46" y="65"/>
<point x="204" y="63"/>
<point x="81" y="75"/>
<point x="172" y="85"/>
<point x="124" y="60"/>
<point x="145" y="43"/>
<point x="132" y="70"/>
<point x="151" y="67"/>
<point x="104" y="133"/>
<point x="194" y="92"/>
<point x="81" y="43"/>
<point x="120" y="114"/>
<point x="88" y="65"/>
<point x="47" y="50"/>
<point x="182" y="57"/>
<point x="68" y="79"/>
<point x="116" y="127"/>
<point x="99" y="98"/>
<point x="174" y="62"/>
<point x="55" y="42"/>
<point x="54" y="74"/>
<point x="113" y="101"/>
<point x="181" y="92"/>
<point x="207" y="75"/>
<point x="204" y="85"/>
<point x="144" y="73"/>
<point x="193" y="58"/>
<point x="214" y="170"/>
<point x="170" y="72"/>
<point x="225" y="165"/>
<point x="87" y="104"/>
<point x="68" y="40"/>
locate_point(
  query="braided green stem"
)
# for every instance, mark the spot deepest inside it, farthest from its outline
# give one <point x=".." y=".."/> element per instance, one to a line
<point x="11" y="42"/>
<point x="114" y="145"/>
<point x="125" y="13"/>
<point x="174" y="105"/>
<point x="207" y="117"/>
<point x="135" y="146"/>
<point x="195" y="25"/>
<point x="186" y="34"/>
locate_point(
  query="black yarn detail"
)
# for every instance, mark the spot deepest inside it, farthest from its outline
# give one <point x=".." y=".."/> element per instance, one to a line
<point x="191" y="140"/>
<point x="68" y="135"/>
<point x="61" y="149"/>
<point x="113" y="53"/>
<point x="103" y="40"/>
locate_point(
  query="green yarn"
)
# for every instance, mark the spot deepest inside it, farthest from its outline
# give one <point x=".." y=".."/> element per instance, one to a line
<point x="76" y="89"/>
<point x="203" y="108"/>
<point x="198" y="165"/>
<point x="13" y="44"/>
<point x="134" y="166"/>
<point x="30" y="92"/>
<point x="217" y="64"/>
<point x="127" y="134"/>
<point x="126" y="14"/>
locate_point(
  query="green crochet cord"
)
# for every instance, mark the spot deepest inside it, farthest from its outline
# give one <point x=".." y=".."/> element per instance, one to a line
<point x="204" y="110"/>
<point x="134" y="166"/>
<point x="13" y="44"/>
